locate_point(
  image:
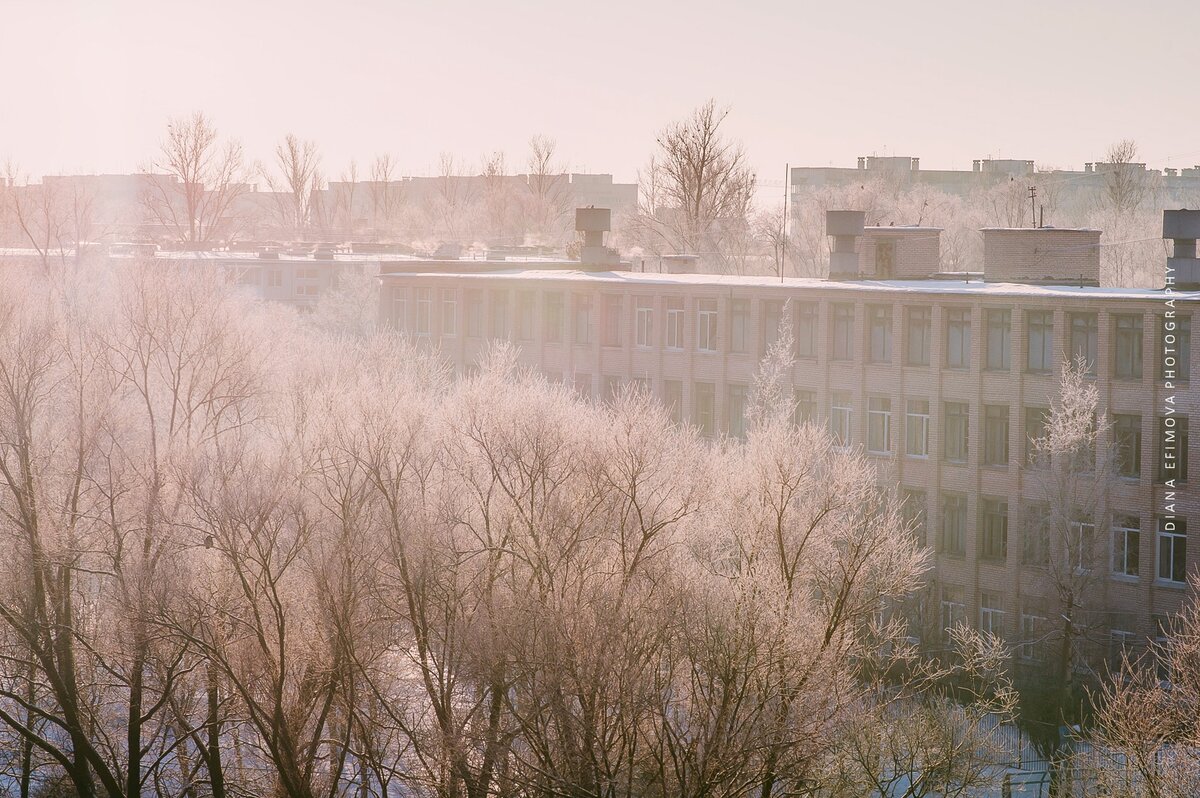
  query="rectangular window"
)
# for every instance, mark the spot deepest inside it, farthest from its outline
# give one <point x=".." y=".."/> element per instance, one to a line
<point x="499" y="314"/>
<point x="306" y="290"/>
<point x="955" y="436"/>
<point x="1126" y="545"/>
<point x="449" y="312"/>
<point x="843" y="332"/>
<point x="1083" y="339"/>
<point x="704" y="410"/>
<point x="1172" y="448"/>
<point x="995" y="435"/>
<point x="1081" y="543"/>
<point x="740" y="335"/>
<point x="1172" y="550"/>
<point x="736" y="410"/>
<point x="612" y="321"/>
<point x="805" y="410"/>
<point x="1036" y="419"/>
<point x="772" y="310"/>
<point x="840" y="412"/>
<point x="1127" y="440"/>
<point x="673" y="400"/>
<point x="958" y="338"/>
<point x="1035" y="548"/>
<point x="274" y="278"/>
<point x="954" y="609"/>
<point x="915" y="513"/>
<point x="1032" y="647"/>
<point x="1120" y="648"/>
<point x="552" y="321"/>
<point x="995" y="529"/>
<point x="400" y="308"/>
<point x="583" y="385"/>
<point x="999" y="340"/>
<point x="916" y="428"/>
<point x="1127" y="357"/>
<point x="1039" y="328"/>
<point x="806" y="329"/>
<point x="474" y="313"/>
<point x="879" y="337"/>
<point x="1174" y="349"/>
<point x="674" y="331"/>
<point x="644" y="323"/>
<point x="583" y="319"/>
<point x="706" y="325"/>
<point x="424" y="310"/>
<point x="610" y="388"/>
<point x="879" y="425"/>
<point x="916" y="337"/>
<point x="991" y="614"/>
<point x="954" y="523"/>
<point x="525" y="300"/>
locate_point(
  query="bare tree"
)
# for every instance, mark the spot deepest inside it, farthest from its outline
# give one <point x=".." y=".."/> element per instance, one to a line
<point x="298" y="164"/>
<point x="205" y="179"/>
<point x="549" y="195"/>
<point x="385" y="197"/>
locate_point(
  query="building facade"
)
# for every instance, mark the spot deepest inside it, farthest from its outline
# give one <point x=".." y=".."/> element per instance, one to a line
<point x="942" y="383"/>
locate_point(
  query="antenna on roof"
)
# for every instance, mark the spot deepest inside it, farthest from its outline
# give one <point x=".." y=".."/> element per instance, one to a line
<point x="1033" y="206"/>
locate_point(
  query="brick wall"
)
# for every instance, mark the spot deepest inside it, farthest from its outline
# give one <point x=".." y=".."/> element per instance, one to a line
<point x="1041" y="255"/>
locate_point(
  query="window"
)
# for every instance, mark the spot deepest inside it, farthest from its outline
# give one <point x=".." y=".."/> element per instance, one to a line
<point x="583" y="319"/>
<point x="1126" y="544"/>
<point x="806" y="329"/>
<point x="1032" y="647"/>
<point x="674" y="331"/>
<point x="916" y="428"/>
<point x="740" y="335"/>
<point x="736" y="410"/>
<point x="525" y="315"/>
<point x="612" y="321"/>
<point x="915" y="513"/>
<point x="552" y="322"/>
<point x="999" y="340"/>
<point x="954" y="609"/>
<point x="1172" y="549"/>
<point x="805" y="407"/>
<point x="474" y="313"/>
<point x="995" y="529"/>
<point x="274" y="278"/>
<point x="1172" y="448"/>
<point x="673" y="399"/>
<point x="1175" y="349"/>
<point x="1127" y="357"/>
<point x="399" y="308"/>
<point x="449" y="312"/>
<point x="1083" y="339"/>
<point x="499" y="314"/>
<point x="1127" y="440"/>
<point x="916" y="337"/>
<point x="706" y="325"/>
<point x="1081" y="543"/>
<point x="306" y="290"/>
<point x="1036" y="543"/>
<point x="955" y="420"/>
<point x="991" y="614"/>
<point x="704" y="411"/>
<point x="843" y="332"/>
<point x="306" y="274"/>
<point x="424" y="297"/>
<point x="610" y="387"/>
<point x="1036" y="419"/>
<point x="995" y="435"/>
<point x="644" y="322"/>
<point x="879" y="425"/>
<point x="958" y="338"/>
<point x="879" y="339"/>
<point x="839" y="418"/>
<point x="772" y="310"/>
<point x="1120" y="648"/>
<point x="885" y="258"/>
<point x="954" y="523"/>
<point x="583" y="385"/>
<point x="1039" y="328"/>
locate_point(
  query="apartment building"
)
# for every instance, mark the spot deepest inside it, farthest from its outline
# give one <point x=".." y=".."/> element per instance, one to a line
<point x="942" y="381"/>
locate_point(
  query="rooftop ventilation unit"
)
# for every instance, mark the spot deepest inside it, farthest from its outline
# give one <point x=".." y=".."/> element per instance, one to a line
<point x="1183" y="267"/>
<point x="846" y="228"/>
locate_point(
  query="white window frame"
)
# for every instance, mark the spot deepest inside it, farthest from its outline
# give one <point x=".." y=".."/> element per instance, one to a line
<point x="644" y="325"/>
<point x="449" y="312"/>
<point x="1119" y="565"/>
<point x="841" y="419"/>
<point x="923" y="420"/>
<point x="876" y="415"/>
<point x="424" y="307"/>
<point x="991" y="619"/>
<point x="673" y="334"/>
<point x="1158" y="539"/>
<point x="706" y="325"/>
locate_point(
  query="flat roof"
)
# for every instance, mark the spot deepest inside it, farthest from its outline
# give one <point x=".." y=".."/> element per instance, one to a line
<point x="633" y="279"/>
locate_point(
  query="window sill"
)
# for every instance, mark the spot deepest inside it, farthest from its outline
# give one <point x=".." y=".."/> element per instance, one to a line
<point x="1124" y="578"/>
<point x="1171" y="584"/>
<point x="921" y="457"/>
<point x="997" y="467"/>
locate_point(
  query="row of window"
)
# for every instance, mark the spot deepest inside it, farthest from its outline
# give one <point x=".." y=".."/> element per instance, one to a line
<point x="1082" y="340"/>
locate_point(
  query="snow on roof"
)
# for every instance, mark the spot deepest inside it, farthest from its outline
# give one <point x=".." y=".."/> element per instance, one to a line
<point x="815" y="283"/>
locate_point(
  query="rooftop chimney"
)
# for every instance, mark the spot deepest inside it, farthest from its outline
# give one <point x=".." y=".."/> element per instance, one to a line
<point x="594" y="223"/>
<point x="846" y="228"/>
<point x="1183" y="267"/>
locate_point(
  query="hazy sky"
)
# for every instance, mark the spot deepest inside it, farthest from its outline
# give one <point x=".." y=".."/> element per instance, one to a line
<point x="89" y="86"/>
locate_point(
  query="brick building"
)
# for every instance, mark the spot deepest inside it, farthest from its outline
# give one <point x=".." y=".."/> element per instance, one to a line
<point x="940" y="381"/>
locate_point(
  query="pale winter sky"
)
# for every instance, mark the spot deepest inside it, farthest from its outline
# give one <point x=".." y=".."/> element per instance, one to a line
<point x="88" y="85"/>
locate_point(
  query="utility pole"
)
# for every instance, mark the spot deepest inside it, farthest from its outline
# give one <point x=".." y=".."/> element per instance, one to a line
<point x="1033" y="206"/>
<point x="787" y="176"/>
